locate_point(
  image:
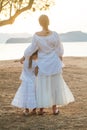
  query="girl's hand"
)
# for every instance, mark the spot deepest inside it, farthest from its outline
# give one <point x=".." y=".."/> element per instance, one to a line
<point x="61" y="58"/>
<point x="22" y="59"/>
<point x="36" y="70"/>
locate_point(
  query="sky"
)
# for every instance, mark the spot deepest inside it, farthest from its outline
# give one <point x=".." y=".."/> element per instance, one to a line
<point x="65" y="16"/>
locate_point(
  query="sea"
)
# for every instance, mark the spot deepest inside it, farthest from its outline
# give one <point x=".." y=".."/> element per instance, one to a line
<point x="11" y="51"/>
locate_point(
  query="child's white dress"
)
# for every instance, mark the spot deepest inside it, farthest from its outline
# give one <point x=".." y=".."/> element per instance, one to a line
<point x="25" y="97"/>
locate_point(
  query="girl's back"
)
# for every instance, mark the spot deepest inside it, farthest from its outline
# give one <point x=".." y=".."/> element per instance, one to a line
<point x="28" y="73"/>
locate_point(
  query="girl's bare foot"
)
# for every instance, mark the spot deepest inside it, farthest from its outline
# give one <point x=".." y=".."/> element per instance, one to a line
<point x="41" y="112"/>
<point x="34" y="111"/>
<point x="55" y="110"/>
<point x="26" y="112"/>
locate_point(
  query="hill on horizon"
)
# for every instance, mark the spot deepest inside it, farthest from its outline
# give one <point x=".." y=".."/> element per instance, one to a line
<point x="74" y="36"/>
<point x="4" y="37"/>
<point x="19" y="40"/>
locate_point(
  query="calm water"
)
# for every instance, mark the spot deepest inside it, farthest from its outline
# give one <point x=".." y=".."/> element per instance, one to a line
<point x="15" y="51"/>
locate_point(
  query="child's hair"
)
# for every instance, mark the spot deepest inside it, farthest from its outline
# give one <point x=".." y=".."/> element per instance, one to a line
<point x="30" y="59"/>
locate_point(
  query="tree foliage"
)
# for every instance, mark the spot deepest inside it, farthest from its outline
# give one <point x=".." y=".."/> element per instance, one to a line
<point x="11" y="9"/>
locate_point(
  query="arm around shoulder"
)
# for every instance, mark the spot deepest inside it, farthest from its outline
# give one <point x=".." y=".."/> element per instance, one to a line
<point x="31" y="48"/>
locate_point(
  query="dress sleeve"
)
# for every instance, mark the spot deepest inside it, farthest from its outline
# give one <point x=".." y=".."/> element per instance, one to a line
<point x="31" y="48"/>
<point x="59" y="47"/>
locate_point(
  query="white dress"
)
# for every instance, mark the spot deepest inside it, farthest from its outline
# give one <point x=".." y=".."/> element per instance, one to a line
<point x="25" y="96"/>
<point x="51" y="88"/>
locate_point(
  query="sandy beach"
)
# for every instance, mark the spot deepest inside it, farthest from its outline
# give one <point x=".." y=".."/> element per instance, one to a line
<point x="71" y="117"/>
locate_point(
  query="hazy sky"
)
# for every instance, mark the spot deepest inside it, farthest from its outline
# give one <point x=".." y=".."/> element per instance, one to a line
<point x="72" y="14"/>
<point x="66" y="15"/>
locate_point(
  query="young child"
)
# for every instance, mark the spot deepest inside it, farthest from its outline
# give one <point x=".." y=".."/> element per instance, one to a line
<point x="25" y="97"/>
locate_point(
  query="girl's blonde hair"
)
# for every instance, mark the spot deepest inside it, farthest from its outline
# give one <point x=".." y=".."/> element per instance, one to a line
<point x="30" y="58"/>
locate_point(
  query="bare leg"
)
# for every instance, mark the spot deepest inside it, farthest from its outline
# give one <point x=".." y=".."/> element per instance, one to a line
<point x="26" y="112"/>
<point x="55" y="110"/>
<point x="41" y="111"/>
<point x="33" y="111"/>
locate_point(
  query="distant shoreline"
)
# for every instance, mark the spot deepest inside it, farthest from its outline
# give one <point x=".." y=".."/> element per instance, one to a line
<point x="73" y="36"/>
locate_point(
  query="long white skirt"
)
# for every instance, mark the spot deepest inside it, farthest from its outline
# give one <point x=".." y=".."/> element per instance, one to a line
<point x="25" y="96"/>
<point x="52" y="90"/>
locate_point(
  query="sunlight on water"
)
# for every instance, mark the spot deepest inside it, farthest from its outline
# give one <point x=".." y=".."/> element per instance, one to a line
<point x="12" y="51"/>
<point x="75" y="49"/>
<point x="15" y="51"/>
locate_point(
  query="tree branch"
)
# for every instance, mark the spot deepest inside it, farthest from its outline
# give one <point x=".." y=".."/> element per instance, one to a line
<point x="17" y="13"/>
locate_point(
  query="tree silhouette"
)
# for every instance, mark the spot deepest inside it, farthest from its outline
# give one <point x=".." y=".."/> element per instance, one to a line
<point x="11" y="9"/>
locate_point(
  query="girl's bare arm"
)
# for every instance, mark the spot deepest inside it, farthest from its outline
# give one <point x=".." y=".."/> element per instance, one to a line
<point x="20" y="60"/>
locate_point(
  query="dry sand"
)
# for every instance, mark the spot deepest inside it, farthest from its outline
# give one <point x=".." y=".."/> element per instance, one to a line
<point x="71" y="117"/>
